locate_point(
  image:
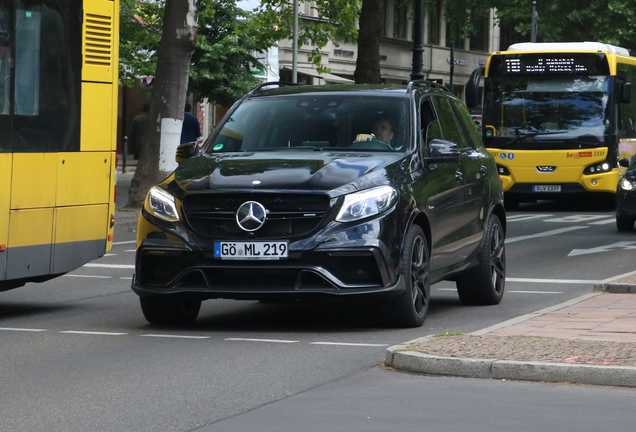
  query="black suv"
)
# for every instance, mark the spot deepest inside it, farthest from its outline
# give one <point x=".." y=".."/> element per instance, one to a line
<point x="314" y="191"/>
<point x="626" y="196"/>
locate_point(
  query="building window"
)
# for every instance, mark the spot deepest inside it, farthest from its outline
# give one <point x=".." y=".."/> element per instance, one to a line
<point x="385" y="15"/>
<point x="433" y="9"/>
<point x="454" y="34"/>
<point x="479" y="40"/>
<point x="399" y="19"/>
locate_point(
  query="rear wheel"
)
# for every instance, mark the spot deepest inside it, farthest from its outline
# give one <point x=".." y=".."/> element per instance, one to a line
<point x="409" y="309"/>
<point x="624" y="223"/>
<point x="163" y="311"/>
<point x="484" y="284"/>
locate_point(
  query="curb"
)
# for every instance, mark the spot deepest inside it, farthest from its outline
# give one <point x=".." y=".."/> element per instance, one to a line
<point x="415" y="362"/>
<point x="613" y="284"/>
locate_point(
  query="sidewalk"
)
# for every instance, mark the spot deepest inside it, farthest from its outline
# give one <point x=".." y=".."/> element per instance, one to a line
<point x="125" y="220"/>
<point x="589" y="340"/>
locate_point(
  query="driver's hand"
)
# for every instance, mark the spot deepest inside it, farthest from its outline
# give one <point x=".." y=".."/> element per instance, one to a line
<point x="364" y="137"/>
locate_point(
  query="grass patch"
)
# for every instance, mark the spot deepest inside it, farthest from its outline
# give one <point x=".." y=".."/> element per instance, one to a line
<point x="449" y="333"/>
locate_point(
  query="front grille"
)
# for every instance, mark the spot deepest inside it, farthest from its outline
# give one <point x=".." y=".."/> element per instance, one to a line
<point x="213" y="215"/>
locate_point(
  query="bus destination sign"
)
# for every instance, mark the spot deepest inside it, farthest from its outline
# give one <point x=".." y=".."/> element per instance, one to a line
<point x="549" y="63"/>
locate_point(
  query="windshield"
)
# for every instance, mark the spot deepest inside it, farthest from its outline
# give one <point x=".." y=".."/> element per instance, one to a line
<point x="547" y="112"/>
<point x="314" y="123"/>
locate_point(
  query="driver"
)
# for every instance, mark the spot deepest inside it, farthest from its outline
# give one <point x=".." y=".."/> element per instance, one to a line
<point x="381" y="129"/>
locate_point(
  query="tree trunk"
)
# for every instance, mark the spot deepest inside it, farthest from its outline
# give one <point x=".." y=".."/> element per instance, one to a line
<point x="165" y="118"/>
<point x="368" y="62"/>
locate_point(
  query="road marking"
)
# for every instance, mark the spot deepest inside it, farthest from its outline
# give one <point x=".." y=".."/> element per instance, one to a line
<point x="22" y="329"/>
<point x="125" y="242"/>
<point x="607" y="248"/>
<point x="175" y="336"/>
<point x="126" y="278"/>
<point x="555" y="281"/>
<point x="93" y="333"/>
<point x="577" y="218"/>
<point x="117" y="266"/>
<point x="131" y="250"/>
<point x="260" y="340"/>
<point x="348" y="344"/>
<point x="536" y="292"/>
<point x="87" y="276"/>
<point x="527" y="217"/>
<point x="604" y="222"/>
<point x="110" y="255"/>
<point x="544" y="234"/>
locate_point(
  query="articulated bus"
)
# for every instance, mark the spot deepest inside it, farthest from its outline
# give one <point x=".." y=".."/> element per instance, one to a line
<point x="557" y="117"/>
<point x="58" y="119"/>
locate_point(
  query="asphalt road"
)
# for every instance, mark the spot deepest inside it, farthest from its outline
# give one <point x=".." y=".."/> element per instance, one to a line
<point x="78" y="355"/>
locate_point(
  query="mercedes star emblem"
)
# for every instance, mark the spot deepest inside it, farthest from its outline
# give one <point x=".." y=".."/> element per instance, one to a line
<point x="251" y="216"/>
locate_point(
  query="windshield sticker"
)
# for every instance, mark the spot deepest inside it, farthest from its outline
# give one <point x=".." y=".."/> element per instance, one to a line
<point x="511" y="156"/>
<point x="502" y="155"/>
<point x="218" y="147"/>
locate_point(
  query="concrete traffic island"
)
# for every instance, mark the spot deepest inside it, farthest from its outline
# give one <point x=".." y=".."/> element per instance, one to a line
<point x="588" y="340"/>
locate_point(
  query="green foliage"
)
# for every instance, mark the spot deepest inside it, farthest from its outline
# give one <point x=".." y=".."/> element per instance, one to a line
<point x="220" y="68"/>
<point x="336" y="23"/>
<point x="610" y="21"/>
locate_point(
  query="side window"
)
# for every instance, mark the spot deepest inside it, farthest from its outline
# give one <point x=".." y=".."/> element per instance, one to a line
<point x="447" y="120"/>
<point x="429" y="122"/>
<point x="40" y="67"/>
<point x="467" y="125"/>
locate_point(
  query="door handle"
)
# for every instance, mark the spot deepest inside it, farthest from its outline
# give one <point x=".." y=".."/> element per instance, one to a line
<point x="484" y="169"/>
<point x="459" y="176"/>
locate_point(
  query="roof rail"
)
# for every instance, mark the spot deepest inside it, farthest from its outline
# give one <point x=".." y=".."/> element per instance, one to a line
<point x="271" y="83"/>
<point x="425" y="83"/>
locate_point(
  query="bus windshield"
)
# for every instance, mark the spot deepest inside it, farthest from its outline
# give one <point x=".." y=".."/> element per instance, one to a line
<point x="547" y="112"/>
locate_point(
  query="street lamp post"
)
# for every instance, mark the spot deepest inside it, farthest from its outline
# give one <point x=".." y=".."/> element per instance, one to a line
<point x="418" y="40"/>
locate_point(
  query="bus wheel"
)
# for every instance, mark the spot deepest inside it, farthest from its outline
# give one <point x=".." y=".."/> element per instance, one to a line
<point x="165" y="311"/>
<point x="625" y="224"/>
<point x="484" y="284"/>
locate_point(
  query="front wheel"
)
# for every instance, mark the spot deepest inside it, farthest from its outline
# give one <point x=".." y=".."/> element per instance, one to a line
<point x="169" y="311"/>
<point x="409" y="309"/>
<point x="484" y="284"/>
<point x="625" y="224"/>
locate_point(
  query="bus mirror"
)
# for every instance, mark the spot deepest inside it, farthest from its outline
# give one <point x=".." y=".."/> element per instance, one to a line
<point x="472" y="88"/>
<point x="622" y="75"/>
<point x="624" y="162"/>
<point x="186" y="151"/>
<point x="626" y="93"/>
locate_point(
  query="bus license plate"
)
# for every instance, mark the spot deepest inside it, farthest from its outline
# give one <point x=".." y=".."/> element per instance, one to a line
<point x="547" y="188"/>
<point x="251" y="250"/>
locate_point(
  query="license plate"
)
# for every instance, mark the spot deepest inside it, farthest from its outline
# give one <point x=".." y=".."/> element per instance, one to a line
<point x="547" y="188"/>
<point x="251" y="250"/>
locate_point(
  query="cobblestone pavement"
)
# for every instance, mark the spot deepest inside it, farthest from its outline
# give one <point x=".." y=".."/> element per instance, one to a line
<point x="527" y="348"/>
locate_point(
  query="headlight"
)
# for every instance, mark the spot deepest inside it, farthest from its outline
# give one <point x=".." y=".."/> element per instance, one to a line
<point x="626" y="184"/>
<point x="160" y="203"/>
<point x="367" y="203"/>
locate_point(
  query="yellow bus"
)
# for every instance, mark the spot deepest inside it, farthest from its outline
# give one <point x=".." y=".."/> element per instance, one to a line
<point x="58" y="119"/>
<point x="557" y="117"/>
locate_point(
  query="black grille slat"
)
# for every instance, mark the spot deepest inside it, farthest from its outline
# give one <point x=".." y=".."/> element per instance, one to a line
<point x="288" y="215"/>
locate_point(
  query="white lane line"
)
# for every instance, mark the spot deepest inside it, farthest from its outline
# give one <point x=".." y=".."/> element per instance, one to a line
<point x="554" y="281"/>
<point x="117" y="266"/>
<point x="349" y="344"/>
<point x="131" y="250"/>
<point x="536" y="292"/>
<point x="260" y="340"/>
<point x="604" y="222"/>
<point x="527" y="217"/>
<point x="174" y="336"/>
<point x="21" y="329"/>
<point x="545" y="234"/>
<point x="125" y="242"/>
<point x="88" y="276"/>
<point x="93" y="333"/>
<point x="126" y="278"/>
<point x="110" y="255"/>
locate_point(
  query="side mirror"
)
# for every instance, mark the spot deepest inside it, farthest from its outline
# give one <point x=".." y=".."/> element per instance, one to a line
<point x="472" y="88"/>
<point x="442" y="151"/>
<point x="626" y="93"/>
<point x="624" y="162"/>
<point x="186" y="151"/>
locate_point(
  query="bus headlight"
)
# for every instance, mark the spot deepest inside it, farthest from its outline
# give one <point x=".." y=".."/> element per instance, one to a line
<point x="626" y="185"/>
<point x="367" y="203"/>
<point x="161" y="204"/>
<point x="597" y="168"/>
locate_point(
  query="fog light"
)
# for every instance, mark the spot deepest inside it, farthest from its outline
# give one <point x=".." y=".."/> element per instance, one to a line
<point x="594" y="182"/>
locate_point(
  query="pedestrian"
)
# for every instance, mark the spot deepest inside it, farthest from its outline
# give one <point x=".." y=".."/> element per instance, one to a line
<point x="137" y="128"/>
<point x="190" y="130"/>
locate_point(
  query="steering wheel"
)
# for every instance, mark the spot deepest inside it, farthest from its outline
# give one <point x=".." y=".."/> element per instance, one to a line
<point x="372" y="144"/>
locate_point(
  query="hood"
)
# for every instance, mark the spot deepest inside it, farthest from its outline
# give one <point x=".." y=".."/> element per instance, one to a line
<point x="318" y="171"/>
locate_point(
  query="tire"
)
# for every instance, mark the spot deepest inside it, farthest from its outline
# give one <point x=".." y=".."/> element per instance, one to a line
<point x="410" y="308"/>
<point x="511" y="203"/>
<point x="169" y="311"/>
<point x="484" y="284"/>
<point x="625" y="224"/>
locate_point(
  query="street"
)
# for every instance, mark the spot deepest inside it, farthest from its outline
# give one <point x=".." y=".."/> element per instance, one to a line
<point x="77" y="353"/>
